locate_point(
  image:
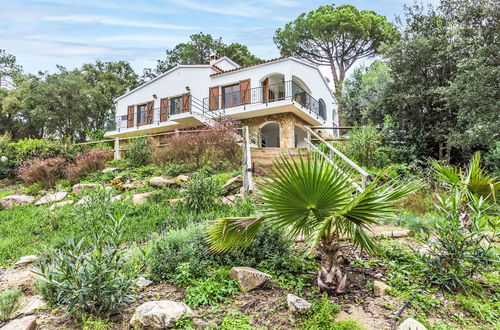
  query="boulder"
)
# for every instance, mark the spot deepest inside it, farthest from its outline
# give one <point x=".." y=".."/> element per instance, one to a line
<point x="26" y="260"/>
<point x="230" y="200"/>
<point x="25" y="323"/>
<point x="50" y="198"/>
<point x="380" y="288"/>
<point x="249" y="278"/>
<point x="22" y="278"/>
<point x="175" y="201"/>
<point x="78" y="188"/>
<point x="141" y="282"/>
<point x="233" y="185"/>
<point x="182" y="178"/>
<point x="110" y="169"/>
<point x="159" y="314"/>
<point x="83" y="200"/>
<point x="160" y="182"/>
<point x="411" y="324"/>
<point x="297" y="304"/>
<point x="132" y="185"/>
<point x="33" y="303"/>
<point x="68" y="202"/>
<point x="9" y="202"/>
<point x="138" y="199"/>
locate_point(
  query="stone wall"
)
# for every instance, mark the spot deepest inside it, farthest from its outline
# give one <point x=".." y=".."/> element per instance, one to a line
<point x="286" y="122"/>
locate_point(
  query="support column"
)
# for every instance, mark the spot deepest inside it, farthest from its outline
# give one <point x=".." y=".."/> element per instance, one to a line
<point x="117" y="149"/>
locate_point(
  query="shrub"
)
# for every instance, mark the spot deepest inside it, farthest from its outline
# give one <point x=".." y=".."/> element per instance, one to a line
<point x="321" y="315"/>
<point x="29" y="149"/>
<point x="47" y="171"/>
<point x="7" y="156"/>
<point x="9" y="302"/>
<point x="174" y="169"/>
<point x="363" y="146"/>
<point x="211" y="290"/>
<point x="216" y="146"/>
<point x="96" y="281"/>
<point x="88" y="162"/>
<point x="463" y="248"/>
<point x="138" y="152"/>
<point x="201" y="192"/>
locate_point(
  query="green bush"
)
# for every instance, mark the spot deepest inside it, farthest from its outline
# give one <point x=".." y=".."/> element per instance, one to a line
<point x="9" y="302"/>
<point x="138" y="152"/>
<point x="210" y="290"/>
<point x="173" y="169"/>
<point x="201" y="192"/>
<point x="363" y="146"/>
<point x="321" y="315"/>
<point x="97" y="281"/>
<point x="8" y="158"/>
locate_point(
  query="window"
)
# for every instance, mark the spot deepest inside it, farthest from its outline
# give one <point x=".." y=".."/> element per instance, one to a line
<point x="141" y="114"/>
<point x="175" y="105"/>
<point x="231" y="96"/>
<point x="322" y="109"/>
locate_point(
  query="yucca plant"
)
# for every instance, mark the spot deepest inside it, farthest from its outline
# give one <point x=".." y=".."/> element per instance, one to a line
<point x="311" y="198"/>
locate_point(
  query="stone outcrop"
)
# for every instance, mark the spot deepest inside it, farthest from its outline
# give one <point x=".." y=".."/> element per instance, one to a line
<point x="9" y="202"/>
<point x="233" y="185"/>
<point x="31" y="304"/>
<point x="380" y="288"/>
<point x="175" y="201"/>
<point x="78" y="188"/>
<point x="132" y="185"/>
<point x="26" y="260"/>
<point x="142" y="282"/>
<point x="68" y="202"/>
<point x="411" y="324"/>
<point x="297" y="304"/>
<point x="160" y="182"/>
<point x="249" y="278"/>
<point x="230" y="200"/>
<point x="182" y="178"/>
<point x="142" y="198"/>
<point x="22" y="278"/>
<point x="51" y="198"/>
<point x="159" y="314"/>
<point x="24" y="323"/>
<point x="110" y="169"/>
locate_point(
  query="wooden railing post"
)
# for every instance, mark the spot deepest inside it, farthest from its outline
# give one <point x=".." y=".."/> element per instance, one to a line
<point x="117" y="149"/>
<point x="247" y="162"/>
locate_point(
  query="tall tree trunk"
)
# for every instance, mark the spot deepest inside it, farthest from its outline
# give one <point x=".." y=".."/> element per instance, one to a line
<point x="330" y="276"/>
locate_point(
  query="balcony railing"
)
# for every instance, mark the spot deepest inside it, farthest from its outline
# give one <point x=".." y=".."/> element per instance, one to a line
<point x="287" y="90"/>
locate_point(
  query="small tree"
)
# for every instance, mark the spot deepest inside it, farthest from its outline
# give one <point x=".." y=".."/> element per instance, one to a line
<point x="313" y="199"/>
<point x="336" y="36"/>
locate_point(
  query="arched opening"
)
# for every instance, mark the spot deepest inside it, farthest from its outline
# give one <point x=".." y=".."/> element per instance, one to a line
<point x="270" y="135"/>
<point x="273" y="87"/>
<point x="322" y="109"/>
<point x="300" y="136"/>
<point x="301" y="93"/>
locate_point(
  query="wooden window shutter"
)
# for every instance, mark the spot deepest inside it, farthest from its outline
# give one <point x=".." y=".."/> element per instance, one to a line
<point x="164" y="109"/>
<point x="186" y="102"/>
<point x="265" y="90"/>
<point x="150" y="112"/>
<point x="130" y="116"/>
<point x="213" y="95"/>
<point x="245" y="91"/>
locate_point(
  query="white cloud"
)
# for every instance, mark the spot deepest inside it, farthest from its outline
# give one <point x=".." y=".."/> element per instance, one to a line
<point x="116" y="22"/>
<point x="231" y="8"/>
<point x="143" y="38"/>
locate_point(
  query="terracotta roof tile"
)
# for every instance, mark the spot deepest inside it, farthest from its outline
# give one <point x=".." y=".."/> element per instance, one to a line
<point x="248" y="66"/>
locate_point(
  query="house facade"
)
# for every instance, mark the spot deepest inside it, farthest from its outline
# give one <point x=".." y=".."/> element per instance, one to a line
<point x="275" y="99"/>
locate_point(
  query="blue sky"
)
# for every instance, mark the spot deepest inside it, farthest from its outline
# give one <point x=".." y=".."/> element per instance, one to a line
<point x="71" y="32"/>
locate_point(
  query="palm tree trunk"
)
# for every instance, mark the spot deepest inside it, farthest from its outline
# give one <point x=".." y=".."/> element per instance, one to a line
<point x="330" y="276"/>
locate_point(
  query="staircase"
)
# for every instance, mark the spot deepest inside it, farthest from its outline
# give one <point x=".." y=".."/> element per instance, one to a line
<point x="203" y="114"/>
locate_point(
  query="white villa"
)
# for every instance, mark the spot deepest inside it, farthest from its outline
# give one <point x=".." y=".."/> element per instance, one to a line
<point x="275" y="99"/>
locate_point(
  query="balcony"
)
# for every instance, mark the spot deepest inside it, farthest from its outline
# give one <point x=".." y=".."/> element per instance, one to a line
<point x="269" y="94"/>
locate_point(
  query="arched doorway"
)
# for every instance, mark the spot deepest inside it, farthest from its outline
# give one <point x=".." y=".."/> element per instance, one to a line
<point x="270" y="135"/>
<point x="300" y="136"/>
<point x="322" y="109"/>
<point x="273" y="87"/>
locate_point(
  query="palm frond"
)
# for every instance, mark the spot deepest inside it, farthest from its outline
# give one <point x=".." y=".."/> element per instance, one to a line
<point x="302" y="192"/>
<point x="232" y="234"/>
<point x="446" y="173"/>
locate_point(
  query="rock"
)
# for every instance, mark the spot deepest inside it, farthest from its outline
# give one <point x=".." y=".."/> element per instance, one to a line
<point x="110" y="169"/>
<point x="249" y="278"/>
<point x="182" y="178"/>
<point x="159" y="314"/>
<point x="233" y="185"/>
<point x="53" y="206"/>
<point x="116" y="197"/>
<point x="22" y="278"/>
<point x="230" y="200"/>
<point x="26" y="260"/>
<point x="25" y="323"/>
<point x="160" y="182"/>
<point x="175" y="201"/>
<point x="50" y="198"/>
<point x="9" y="202"/>
<point x="138" y="199"/>
<point x="392" y="233"/>
<point x="380" y="288"/>
<point x="132" y="185"/>
<point x="378" y="275"/>
<point x="84" y="200"/>
<point x="411" y="324"/>
<point x="78" y="188"/>
<point x="33" y="303"/>
<point x="297" y="304"/>
<point x="141" y="282"/>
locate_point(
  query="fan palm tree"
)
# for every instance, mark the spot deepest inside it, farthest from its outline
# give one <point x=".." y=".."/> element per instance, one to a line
<point x="313" y="199"/>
